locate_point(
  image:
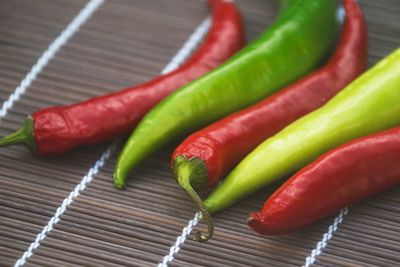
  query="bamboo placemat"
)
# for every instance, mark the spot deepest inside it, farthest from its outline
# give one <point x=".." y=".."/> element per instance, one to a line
<point x="124" y="43"/>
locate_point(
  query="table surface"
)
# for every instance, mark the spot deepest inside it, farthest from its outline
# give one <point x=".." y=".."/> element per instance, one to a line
<point x="125" y="43"/>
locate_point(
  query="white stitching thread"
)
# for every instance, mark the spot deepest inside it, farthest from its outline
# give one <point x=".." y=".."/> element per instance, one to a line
<point x="53" y="48"/>
<point x="180" y="240"/>
<point x="189" y="46"/>
<point x="341" y="13"/>
<point x="66" y="202"/>
<point x="42" y="62"/>
<point x="326" y="237"/>
<point x="177" y="60"/>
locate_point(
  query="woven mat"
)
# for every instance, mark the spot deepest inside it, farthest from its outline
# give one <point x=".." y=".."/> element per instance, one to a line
<point x="126" y="42"/>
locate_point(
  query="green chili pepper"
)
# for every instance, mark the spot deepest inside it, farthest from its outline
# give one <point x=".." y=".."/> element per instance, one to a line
<point x="293" y="46"/>
<point x="369" y="104"/>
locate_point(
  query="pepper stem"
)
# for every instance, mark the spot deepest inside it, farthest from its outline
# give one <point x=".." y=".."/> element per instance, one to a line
<point x="191" y="174"/>
<point x="185" y="184"/>
<point x="15" y="138"/>
<point x="24" y="136"/>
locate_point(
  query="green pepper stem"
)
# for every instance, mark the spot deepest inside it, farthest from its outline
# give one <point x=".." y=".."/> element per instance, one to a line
<point x="25" y="136"/>
<point x="185" y="184"/>
<point x="19" y="137"/>
<point x="190" y="174"/>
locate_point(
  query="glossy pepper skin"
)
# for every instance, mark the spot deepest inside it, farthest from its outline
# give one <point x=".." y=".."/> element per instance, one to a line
<point x="369" y="104"/>
<point x="303" y="33"/>
<point x="57" y="129"/>
<point x="207" y="155"/>
<point x="341" y="177"/>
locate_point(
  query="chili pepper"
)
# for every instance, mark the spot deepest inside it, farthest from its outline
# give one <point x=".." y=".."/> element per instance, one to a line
<point x="205" y="156"/>
<point x="369" y="104"/>
<point x="303" y="33"/>
<point x="57" y="129"/>
<point x="341" y="177"/>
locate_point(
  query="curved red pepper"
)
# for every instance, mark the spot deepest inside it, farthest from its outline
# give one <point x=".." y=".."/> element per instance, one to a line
<point x="345" y="175"/>
<point x="223" y="144"/>
<point x="58" y="129"/>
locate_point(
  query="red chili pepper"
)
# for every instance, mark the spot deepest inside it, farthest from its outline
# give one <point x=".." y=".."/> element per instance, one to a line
<point x="58" y="129"/>
<point x="205" y="156"/>
<point x="343" y="176"/>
